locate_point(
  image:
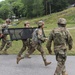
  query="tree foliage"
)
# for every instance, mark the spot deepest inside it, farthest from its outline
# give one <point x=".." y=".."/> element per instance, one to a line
<point x="4" y="10"/>
<point x="71" y="1"/>
<point x="60" y="5"/>
<point x="31" y="8"/>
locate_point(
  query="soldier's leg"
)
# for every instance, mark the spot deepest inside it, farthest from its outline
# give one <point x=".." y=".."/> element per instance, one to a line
<point x="20" y="53"/>
<point x="39" y="48"/>
<point x="64" y="71"/>
<point x="60" y="69"/>
<point x="8" y="45"/>
<point x="27" y="54"/>
<point x="3" y="44"/>
<point x="22" y="49"/>
<point x="30" y="50"/>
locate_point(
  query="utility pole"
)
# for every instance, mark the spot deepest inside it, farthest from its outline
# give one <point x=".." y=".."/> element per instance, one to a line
<point x="48" y="5"/>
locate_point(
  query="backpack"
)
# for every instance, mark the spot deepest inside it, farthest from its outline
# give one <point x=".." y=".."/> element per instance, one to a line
<point x="59" y="36"/>
<point x="35" y="35"/>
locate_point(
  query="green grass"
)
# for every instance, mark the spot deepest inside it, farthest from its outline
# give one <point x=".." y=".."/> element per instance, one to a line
<point x="50" y="23"/>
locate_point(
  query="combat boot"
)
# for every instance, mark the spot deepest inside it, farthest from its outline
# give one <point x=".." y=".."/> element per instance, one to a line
<point x="27" y="56"/>
<point x="46" y="63"/>
<point x="64" y="73"/>
<point x="19" y="58"/>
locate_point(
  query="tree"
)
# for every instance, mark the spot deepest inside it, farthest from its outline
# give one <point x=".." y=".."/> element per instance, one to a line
<point x="17" y="8"/>
<point x="31" y="8"/>
<point x="38" y="8"/>
<point x="59" y="5"/>
<point x="4" y="11"/>
<point x="71" y="1"/>
<point x="47" y="6"/>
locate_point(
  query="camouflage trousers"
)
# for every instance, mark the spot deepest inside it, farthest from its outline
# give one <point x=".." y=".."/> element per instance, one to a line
<point x="5" y="44"/>
<point x="61" y="58"/>
<point x="39" y="47"/>
<point x="26" y="45"/>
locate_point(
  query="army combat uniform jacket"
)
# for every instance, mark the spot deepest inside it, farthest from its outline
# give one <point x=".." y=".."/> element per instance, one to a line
<point x="61" y="39"/>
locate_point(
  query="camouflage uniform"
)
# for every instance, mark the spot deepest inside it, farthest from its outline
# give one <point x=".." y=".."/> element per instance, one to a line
<point x="37" y="42"/>
<point x="5" y="39"/>
<point x="26" y="44"/>
<point x="61" y="39"/>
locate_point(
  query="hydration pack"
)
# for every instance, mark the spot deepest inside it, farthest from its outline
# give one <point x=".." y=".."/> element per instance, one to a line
<point x="35" y="35"/>
<point x="59" y="36"/>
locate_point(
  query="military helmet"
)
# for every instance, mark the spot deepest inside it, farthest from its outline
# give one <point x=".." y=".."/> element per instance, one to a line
<point x="8" y="20"/>
<point x="26" y="22"/>
<point x="40" y="23"/>
<point x="62" y="21"/>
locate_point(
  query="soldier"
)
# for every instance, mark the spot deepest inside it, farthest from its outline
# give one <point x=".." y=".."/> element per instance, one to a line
<point x="61" y="39"/>
<point x="26" y="44"/>
<point x="37" y="40"/>
<point x="5" y="39"/>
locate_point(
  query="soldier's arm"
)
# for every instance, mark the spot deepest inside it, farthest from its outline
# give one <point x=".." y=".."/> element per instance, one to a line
<point x="69" y="40"/>
<point x="40" y="36"/>
<point x="49" y="42"/>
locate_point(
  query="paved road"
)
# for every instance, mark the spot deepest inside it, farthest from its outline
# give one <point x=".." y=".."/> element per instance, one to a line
<point x="33" y="66"/>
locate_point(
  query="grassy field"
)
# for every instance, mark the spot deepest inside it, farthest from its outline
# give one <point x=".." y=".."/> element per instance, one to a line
<point x="50" y="23"/>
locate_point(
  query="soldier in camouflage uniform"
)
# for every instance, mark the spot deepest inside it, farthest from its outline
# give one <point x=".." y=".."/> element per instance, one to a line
<point x="37" y="40"/>
<point x="61" y="39"/>
<point x="5" y="39"/>
<point x="26" y="44"/>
